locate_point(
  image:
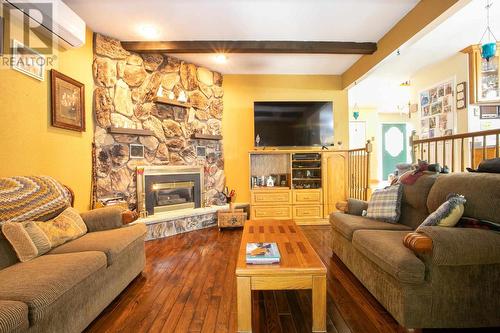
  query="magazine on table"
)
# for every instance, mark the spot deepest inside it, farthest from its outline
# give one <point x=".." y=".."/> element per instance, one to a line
<point x="262" y="253"/>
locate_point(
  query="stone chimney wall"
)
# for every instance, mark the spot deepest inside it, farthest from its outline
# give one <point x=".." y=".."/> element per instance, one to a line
<point x="125" y="85"/>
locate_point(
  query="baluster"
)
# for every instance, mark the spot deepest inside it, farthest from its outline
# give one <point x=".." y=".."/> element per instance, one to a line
<point x="435" y="151"/>
<point x="444" y="152"/>
<point x="462" y="153"/>
<point x="496" y="146"/>
<point x="452" y="155"/>
<point x="472" y="153"/>
<point x="484" y="147"/>
<point x="358" y="173"/>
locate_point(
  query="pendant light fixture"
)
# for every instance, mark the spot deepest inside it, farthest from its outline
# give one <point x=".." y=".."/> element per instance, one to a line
<point x="489" y="48"/>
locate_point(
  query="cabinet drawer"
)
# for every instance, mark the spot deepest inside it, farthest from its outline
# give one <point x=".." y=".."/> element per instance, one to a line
<point x="308" y="212"/>
<point x="271" y="212"/>
<point x="307" y="197"/>
<point x="270" y="197"/>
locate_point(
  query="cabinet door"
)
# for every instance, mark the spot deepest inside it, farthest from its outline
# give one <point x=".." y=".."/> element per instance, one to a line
<point x="271" y="212"/>
<point x="271" y="197"/>
<point x="488" y="79"/>
<point x="484" y="77"/>
<point x="304" y="197"/>
<point x="307" y="212"/>
<point x="334" y="180"/>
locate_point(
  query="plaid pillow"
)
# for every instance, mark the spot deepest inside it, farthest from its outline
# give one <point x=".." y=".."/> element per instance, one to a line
<point x="385" y="205"/>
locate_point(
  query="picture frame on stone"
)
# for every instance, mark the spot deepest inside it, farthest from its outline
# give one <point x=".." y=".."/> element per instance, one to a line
<point x="136" y="150"/>
<point x="67" y="102"/>
<point x="201" y="151"/>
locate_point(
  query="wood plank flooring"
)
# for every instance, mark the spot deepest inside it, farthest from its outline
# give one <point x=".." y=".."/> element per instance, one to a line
<point x="188" y="285"/>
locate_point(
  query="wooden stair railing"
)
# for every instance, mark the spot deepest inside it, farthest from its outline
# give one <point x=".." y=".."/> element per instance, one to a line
<point x="358" y="171"/>
<point x="458" y="151"/>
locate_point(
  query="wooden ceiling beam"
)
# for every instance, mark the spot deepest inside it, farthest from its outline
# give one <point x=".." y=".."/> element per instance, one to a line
<point x="226" y="46"/>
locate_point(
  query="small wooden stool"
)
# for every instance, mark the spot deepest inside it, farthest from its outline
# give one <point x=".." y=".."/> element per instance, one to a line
<point x="231" y="218"/>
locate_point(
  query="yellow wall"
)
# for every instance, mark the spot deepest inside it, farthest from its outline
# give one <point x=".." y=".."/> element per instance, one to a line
<point x="30" y="145"/>
<point x="240" y="92"/>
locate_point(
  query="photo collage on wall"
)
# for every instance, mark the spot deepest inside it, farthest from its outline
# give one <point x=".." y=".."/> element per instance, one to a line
<point x="437" y="111"/>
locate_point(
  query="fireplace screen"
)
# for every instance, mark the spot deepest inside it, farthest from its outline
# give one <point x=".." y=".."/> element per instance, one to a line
<point x="173" y="195"/>
<point x="168" y="188"/>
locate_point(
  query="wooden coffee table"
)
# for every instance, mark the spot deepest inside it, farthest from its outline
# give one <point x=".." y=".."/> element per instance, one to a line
<point x="300" y="268"/>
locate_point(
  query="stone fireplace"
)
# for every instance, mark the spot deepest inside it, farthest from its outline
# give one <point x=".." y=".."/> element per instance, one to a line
<point x="168" y="188"/>
<point x="126" y="85"/>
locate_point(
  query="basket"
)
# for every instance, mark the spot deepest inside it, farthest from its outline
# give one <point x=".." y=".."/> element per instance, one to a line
<point x="229" y="219"/>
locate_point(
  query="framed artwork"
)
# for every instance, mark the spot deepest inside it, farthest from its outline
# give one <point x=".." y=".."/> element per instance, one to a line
<point x="201" y="151"/>
<point x="68" y="102"/>
<point x="437" y="108"/>
<point x="461" y="96"/>
<point x="27" y="61"/>
<point x="136" y="150"/>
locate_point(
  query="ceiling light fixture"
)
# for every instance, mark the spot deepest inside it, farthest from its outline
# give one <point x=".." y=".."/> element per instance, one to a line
<point x="489" y="47"/>
<point x="220" y="58"/>
<point x="148" y="31"/>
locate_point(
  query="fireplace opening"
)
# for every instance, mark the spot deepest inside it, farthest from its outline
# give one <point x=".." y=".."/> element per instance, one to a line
<point x="167" y="188"/>
<point x="173" y="195"/>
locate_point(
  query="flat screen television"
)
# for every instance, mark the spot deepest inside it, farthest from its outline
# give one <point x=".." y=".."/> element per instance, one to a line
<point x="293" y="124"/>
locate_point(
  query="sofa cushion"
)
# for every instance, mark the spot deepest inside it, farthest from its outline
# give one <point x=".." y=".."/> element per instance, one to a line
<point x="111" y="242"/>
<point x="27" y="239"/>
<point x="414" y="201"/>
<point x="386" y="250"/>
<point x="482" y="191"/>
<point x="41" y="281"/>
<point x="347" y="224"/>
<point x="65" y="227"/>
<point x="13" y="316"/>
<point x="385" y="204"/>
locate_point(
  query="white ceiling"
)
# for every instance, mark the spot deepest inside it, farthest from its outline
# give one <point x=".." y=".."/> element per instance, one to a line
<point x="307" y="20"/>
<point x="459" y="30"/>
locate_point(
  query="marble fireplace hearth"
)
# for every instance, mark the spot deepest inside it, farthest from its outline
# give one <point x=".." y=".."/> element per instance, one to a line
<point x="176" y="222"/>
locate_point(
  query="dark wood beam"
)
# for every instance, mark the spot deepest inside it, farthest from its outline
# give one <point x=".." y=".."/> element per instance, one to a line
<point x="227" y="46"/>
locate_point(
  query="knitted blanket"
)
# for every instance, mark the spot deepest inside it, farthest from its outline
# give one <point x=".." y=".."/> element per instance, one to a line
<point x="34" y="198"/>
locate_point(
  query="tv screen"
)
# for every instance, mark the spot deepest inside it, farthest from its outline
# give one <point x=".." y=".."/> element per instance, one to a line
<point x="299" y="124"/>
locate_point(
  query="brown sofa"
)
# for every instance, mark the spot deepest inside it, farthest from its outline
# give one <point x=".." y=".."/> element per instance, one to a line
<point x="67" y="288"/>
<point x="456" y="284"/>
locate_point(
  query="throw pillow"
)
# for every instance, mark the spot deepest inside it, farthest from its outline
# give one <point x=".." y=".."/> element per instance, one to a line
<point x="67" y="226"/>
<point x="448" y="214"/>
<point x="27" y="239"/>
<point x="470" y="222"/>
<point x="385" y="204"/>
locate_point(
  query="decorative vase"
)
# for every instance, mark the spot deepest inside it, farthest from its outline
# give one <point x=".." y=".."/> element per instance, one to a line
<point x="488" y="50"/>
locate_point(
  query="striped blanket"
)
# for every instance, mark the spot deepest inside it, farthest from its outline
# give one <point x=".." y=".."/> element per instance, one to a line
<point x="34" y="198"/>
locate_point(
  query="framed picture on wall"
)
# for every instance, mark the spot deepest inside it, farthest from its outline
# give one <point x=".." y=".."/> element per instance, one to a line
<point x="136" y="150"/>
<point x="68" y="102"/>
<point x="27" y="61"/>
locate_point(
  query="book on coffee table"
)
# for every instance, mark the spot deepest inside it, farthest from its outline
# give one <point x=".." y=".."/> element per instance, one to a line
<point x="262" y="253"/>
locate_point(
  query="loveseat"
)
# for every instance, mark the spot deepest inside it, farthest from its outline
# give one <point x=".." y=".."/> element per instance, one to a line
<point x="455" y="283"/>
<point x="66" y="288"/>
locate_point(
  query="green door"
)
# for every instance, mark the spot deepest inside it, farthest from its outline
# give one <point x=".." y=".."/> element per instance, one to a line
<point x="394" y="147"/>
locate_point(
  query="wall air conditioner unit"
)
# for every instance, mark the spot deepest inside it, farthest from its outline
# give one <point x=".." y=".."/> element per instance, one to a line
<point x="57" y="19"/>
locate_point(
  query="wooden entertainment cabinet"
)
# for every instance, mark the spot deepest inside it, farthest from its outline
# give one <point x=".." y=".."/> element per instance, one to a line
<point x="308" y="183"/>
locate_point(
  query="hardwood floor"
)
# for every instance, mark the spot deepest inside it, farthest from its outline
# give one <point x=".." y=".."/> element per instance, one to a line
<point x="189" y="285"/>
